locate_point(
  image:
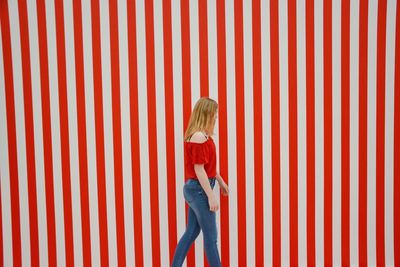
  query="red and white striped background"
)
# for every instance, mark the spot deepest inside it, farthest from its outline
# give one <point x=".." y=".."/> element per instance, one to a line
<point x="95" y="96"/>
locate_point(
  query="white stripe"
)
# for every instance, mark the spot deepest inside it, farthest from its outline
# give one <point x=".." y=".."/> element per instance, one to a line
<point x="20" y="132"/>
<point x="389" y="130"/>
<point x="319" y="132"/>
<point x="126" y="132"/>
<point x="284" y="132"/>
<point x="213" y="87"/>
<point x="4" y="171"/>
<point x="38" y="133"/>
<point x="90" y="131"/>
<point x="143" y="130"/>
<point x="73" y="130"/>
<point x="231" y="117"/>
<point x="178" y="115"/>
<point x="371" y="134"/>
<point x="161" y="132"/>
<point x="249" y="132"/>
<point x="336" y="135"/>
<point x="354" y="130"/>
<point x="195" y="90"/>
<point x="301" y="138"/>
<point x="266" y="125"/>
<point x="108" y="130"/>
<point x="55" y="129"/>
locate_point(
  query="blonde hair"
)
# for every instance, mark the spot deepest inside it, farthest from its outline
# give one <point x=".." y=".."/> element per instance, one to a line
<point x="202" y="116"/>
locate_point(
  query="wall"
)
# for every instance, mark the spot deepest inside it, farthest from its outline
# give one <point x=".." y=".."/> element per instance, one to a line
<point x="95" y="96"/>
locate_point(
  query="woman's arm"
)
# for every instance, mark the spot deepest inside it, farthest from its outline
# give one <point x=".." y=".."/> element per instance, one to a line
<point x="203" y="178"/>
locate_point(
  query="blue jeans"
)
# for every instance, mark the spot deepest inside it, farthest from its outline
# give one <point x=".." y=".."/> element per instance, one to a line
<point x="199" y="217"/>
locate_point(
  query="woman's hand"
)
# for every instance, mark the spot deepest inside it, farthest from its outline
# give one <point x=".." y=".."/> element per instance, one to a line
<point x="212" y="201"/>
<point x="224" y="187"/>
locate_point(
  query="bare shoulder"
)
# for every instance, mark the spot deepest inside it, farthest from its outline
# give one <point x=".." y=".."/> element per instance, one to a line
<point x="198" y="137"/>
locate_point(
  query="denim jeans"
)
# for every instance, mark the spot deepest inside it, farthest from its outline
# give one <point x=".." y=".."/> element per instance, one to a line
<point x="199" y="218"/>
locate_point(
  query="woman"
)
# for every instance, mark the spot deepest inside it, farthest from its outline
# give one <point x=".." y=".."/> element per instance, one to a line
<point x="200" y="177"/>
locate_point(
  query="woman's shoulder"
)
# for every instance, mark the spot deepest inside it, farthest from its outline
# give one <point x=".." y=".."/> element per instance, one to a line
<point x="198" y="138"/>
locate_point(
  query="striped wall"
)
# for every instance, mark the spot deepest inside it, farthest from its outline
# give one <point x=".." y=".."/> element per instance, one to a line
<point x="95" y="96"/>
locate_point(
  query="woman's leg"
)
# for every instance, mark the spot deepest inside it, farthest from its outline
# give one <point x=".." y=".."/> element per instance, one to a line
<point x="190" y="235"/>
<point x="208" y="224"/>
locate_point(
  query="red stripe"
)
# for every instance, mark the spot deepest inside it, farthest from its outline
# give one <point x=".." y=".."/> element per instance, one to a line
<point x="81" y="116"/>
<point x="396" y="171"/>
<point x="186" y="91"/>
<point x="135" y="148"/>
<point x="293" y="171"/>
<point x="47" y="136"/>
<point x="345" y="135"/>
<point x="240" y="132"/>
<point x="11" y="132"/>
<point x="152" y="134"/>
<point x="275" y="135"/>
<point x="223" y="128"/>
<point x="328" y="132"/>
<point x="99" y="128"/>
<point x="64" y="130"/>
<point x="203" y="46"/>
<point x="170" y="126"/>
<point x="258" y="144"/>
<point x="363" y="140"/>
<point x="380" y="134"/>
<point x="29" y="133"/>
<point x="116" y="113"/>
<point x="310" y="124"/>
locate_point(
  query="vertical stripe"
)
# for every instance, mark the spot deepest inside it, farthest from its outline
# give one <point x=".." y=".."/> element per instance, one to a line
<point x="222" y="127"/>
<point x="170" y="126"/>
<point x="82" y="143"/>
<point x="1" y="231"/>
<point x="275" y="134"/>
<point x="65" y="155"/>
<point x="44" y="98"/>
<point x="336" y="134"/>
<point x="231" y="124"/>
<point x="293" y="152"/>
<point x="258" y="133"/>
<point x="249" y="132"/>
<point x="380" y="132"/>
<point x="143" y="131"/>
<point x="6" y="203"/>
<point x="99" y="131"/>
<point x="301" y="138"/>
<point x="240" y="130"/>
<point x="73" y="130"/>
<point x="354" y="133"/>
<point x="396" y="141"/>
<point x="345" y="120"/>
<point x="310" y="120"/>
<point x="203" y="47"/>
<point x="371" y="134"/>
<point x="362" y="138"/>
<point x="327" y="39"/>
<point x="389" y="130"/>
<point x="91" y="135"/>
<point x="125" y="132"/>
<point x="29" y="132"/>
<point x="152" y="133"/>
<point x="160" y="112"/>
<point x="134" y="122"/>
<point x="116" y="124"/>
<point x="38" y="130"/>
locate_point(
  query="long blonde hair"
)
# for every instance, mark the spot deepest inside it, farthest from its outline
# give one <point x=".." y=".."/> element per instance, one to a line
<point x="202" y="116"/>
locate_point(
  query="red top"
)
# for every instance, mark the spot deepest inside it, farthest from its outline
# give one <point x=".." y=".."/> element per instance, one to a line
<point x="200" y="153"/>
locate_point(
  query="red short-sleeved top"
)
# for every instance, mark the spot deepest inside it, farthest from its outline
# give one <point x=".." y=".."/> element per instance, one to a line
<point x="200" y="153"/>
